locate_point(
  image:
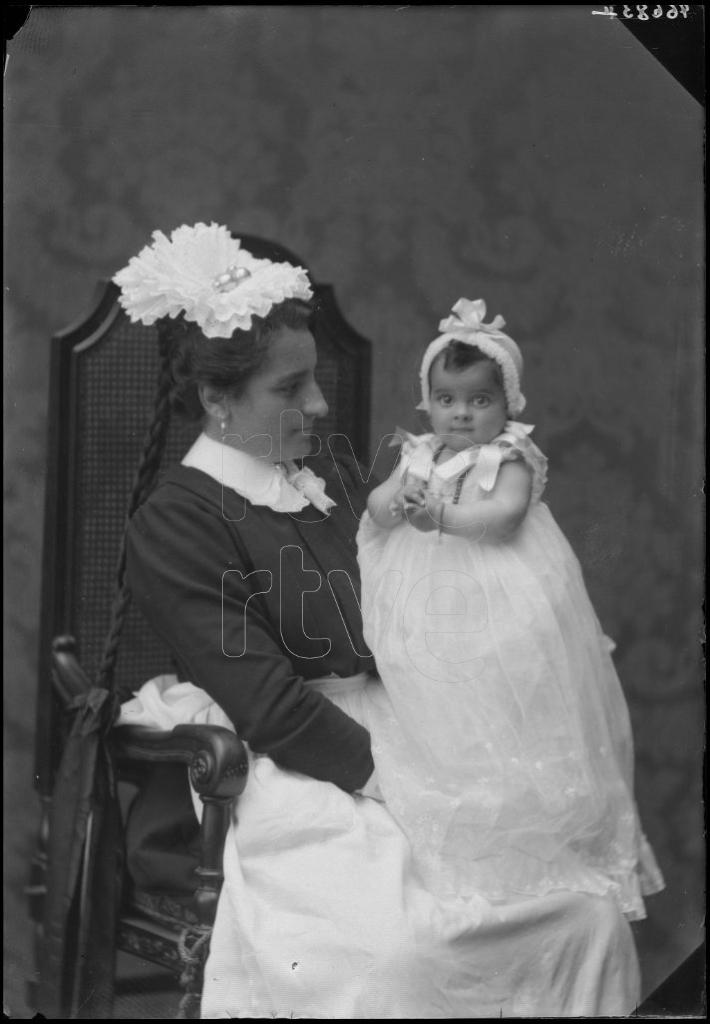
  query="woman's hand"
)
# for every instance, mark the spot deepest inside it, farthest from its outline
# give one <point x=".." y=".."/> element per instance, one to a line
<point x="372" y="789"/>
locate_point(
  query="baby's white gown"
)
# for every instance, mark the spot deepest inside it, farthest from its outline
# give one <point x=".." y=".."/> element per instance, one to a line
<point x="508" y="757"/>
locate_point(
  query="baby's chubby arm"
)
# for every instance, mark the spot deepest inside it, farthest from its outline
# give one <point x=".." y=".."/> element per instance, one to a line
<point x="490" y="519"/>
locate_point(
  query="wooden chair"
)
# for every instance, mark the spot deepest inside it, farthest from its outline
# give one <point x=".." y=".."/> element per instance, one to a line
<point x="103" y="377"/>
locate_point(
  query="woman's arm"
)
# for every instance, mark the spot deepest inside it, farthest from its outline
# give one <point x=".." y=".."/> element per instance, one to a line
<point x="491" y="519"/>
<point x="228" y="642"/>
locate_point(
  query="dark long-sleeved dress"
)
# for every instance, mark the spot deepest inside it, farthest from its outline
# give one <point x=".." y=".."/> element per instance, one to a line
<point x="252" y="603"/>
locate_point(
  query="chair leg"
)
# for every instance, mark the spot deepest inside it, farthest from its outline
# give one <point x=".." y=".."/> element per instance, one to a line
<point x="194" y="943"/>
<point x="193" y="948"/>
<point x="215" y="820"/>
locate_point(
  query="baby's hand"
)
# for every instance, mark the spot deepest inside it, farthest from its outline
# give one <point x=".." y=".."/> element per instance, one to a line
<point x="410" y="496"/>
<point x="426" y="516"/>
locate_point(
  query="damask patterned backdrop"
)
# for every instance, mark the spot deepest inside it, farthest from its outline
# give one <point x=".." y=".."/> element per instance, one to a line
<point x="538" y="157"/>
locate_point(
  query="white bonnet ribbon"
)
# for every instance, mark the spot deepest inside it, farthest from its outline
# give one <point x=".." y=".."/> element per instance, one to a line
<point x="416" y="453"/>
<point x="514" y="431"/>
<point x="487" y="458"/>
<point x="489" y="461"/>
<point x="459" y="463"/>
<point x="310" y="486"/>
<point x="486" y="472"/>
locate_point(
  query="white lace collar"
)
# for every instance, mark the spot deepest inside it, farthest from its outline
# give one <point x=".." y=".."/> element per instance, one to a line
<point x="282" y="487"/>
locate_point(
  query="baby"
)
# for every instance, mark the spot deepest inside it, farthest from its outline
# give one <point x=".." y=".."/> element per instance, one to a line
<point x="514" y="771"/>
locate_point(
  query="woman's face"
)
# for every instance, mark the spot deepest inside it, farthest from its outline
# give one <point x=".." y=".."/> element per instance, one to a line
<point x="274" y="415"/>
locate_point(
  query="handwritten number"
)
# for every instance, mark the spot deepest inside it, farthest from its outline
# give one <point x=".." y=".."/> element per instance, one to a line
<point x="641" y="11"/>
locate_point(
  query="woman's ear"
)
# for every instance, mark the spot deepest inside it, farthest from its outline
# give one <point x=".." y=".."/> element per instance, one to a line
<point x="213" y="401"/>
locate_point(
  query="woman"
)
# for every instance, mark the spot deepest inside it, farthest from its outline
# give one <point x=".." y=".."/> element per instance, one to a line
<point x="244" y="562"/>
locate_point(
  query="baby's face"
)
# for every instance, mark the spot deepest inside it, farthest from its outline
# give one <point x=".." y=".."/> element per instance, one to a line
<point x="467" y="406"/>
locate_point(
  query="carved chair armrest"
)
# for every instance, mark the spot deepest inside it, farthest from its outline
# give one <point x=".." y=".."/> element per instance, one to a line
<point x="215" y="756"/>
<point x="217" y="762"/>
<point x="216" y="759"/>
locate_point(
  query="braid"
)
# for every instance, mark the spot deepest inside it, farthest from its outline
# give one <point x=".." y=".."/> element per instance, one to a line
<point x="148" y="466"/>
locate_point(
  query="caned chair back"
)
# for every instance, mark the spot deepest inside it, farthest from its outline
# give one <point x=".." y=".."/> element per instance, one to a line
<point x="102" y="390"/>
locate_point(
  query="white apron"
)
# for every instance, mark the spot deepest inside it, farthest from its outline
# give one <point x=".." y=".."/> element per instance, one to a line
<point x="323" y="916"/>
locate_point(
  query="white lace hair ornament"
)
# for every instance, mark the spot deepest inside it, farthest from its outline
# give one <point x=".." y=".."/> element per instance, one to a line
<point x="203" y="273"/>
<point x="466" y="325"/>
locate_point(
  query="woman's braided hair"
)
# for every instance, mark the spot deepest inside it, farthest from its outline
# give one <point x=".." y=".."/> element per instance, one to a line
<point x="148" y="465"/>
<point x="187" y="360"/>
